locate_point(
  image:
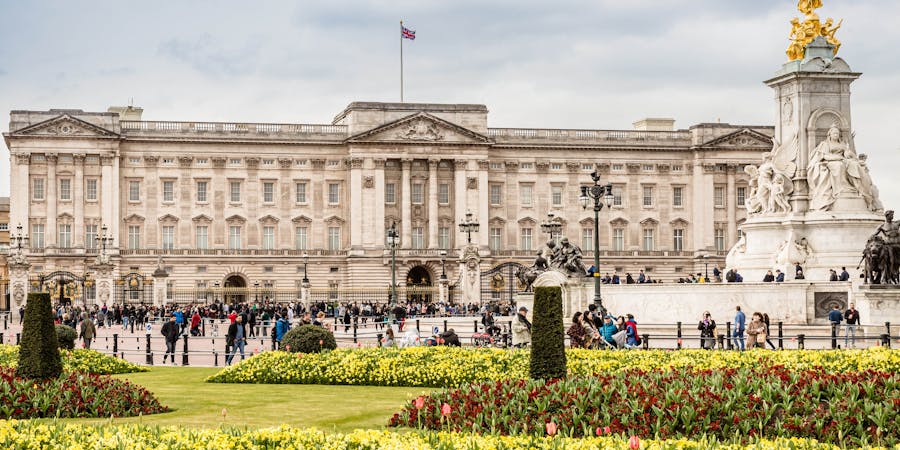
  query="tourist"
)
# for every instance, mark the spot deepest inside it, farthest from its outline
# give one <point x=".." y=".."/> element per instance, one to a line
<point x="779" y="276"/>
<point x="740" y="323"/>
<point x="232" y="316"/>
<point x="521" y="329"/>
<point x="769" y="277"/>
<point x="851" y="316"/>
<point x="196" y="320"/>
<point x="628" y="278"/>
<point x="765" y="317"/>
<point x="22" y="314"/>
<point x="282" y="326"/>
<point x="88" y="331"/>
<point x="730" y="276"/>
<point x="591" y="333"/>
<point x="717" y="274"/>
<point x="756" y="331"/>
<point x="799" y="274"/>
<point x="833" y="276"/>
<point x="621" y="334"/>
<point x="236" y="339"/>
<point x="450" y="338"/>
<point x="616" y="279"/>
<point x="707" y="327"/>
<point x="389" y="340"/>
<point x="608" y="330"/>
<point x="641" y="277"/>
<point x="170" y="332"/>
<point x="632" y="338"/>
<point x="845" y="276"/>
<point x="835" y="317"/>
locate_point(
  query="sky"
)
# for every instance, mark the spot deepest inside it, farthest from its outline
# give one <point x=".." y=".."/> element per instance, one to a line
<point x="596" y="64"/>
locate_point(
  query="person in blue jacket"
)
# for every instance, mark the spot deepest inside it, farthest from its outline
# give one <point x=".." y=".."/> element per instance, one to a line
<point x="281" y="328"/>
<point x="608" y="330"/>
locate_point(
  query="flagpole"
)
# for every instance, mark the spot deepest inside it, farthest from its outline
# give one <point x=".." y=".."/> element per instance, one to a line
<point x="401" y="61"/>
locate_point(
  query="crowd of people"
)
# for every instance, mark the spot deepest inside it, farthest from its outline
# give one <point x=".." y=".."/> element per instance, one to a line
<point x="589" y="329"/>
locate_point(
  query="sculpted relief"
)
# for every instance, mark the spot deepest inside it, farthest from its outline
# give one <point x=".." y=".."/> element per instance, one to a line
<point x="771" y="183"/>
<point x="835" y="171"/>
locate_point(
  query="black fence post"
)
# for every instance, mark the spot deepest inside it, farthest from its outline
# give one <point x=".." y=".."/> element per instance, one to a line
<point x="721" y="340"/>
<point x="1" y="338"/>
<point x="417" y="327"/>
<point x="149" y="353"/>
<point x="115" y="343"/>
<point x="184" y="356"/>
<point x="645" y="341"/>
<point x="274" y="342"/>
<point x="728" y="335"/>
<point x="678" y="332"/>
<point x="833" y="336"/>
<point x="5" y="324"/>
<point x="18" y="338"/>
<point x="354" y="333"/>
<point x="800" y="341"/>
<point x="780" y="335"/>
<point x="131" y="323"/>
<point x="475" y="330"/>
<point x="887" y="328"/>
<point x="215" y="358"/>
<point x="445" y="325"/>
<point x="203" y="327"/>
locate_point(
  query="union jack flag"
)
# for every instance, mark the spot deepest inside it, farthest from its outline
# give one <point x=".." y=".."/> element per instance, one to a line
<point x="406" y="33"/>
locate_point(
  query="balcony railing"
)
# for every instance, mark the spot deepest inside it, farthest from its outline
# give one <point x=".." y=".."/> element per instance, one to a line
<point x="606" y="253"/>
<point x="133" y="127"/>
<point x="589" y="136"/>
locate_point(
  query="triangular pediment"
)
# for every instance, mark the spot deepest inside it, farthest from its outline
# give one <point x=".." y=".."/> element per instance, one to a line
<point x="743" y="138"/>
<point x="65" y="126"/>
<point x="420" y="128"/>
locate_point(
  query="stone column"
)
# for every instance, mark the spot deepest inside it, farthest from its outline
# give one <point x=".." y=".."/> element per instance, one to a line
<point x="160" y="287"/>
<point x="78" y="202"/>
<point x="459" y="199"/>
<point x="470" y="274"/>
<point x="378" y="219"/>
<point x="405" y="206"/>
<point x="18" y="283"/>
<point x="20" y="192"/>
<point x="356" y="204"/>
<point x="483" y="203"/>
<point x="433" y="203"/>
<point x="108" y="199"/>
<point x="731" y="204"/>
<point x="698" y="199"/>
<point x="51" y="233"/>
<point x="116" y="211"/>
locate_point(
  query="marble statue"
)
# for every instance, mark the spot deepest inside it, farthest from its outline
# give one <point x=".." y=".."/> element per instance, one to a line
<point x="834" y="169"/>
<point x="804" y="32"/>
<point x="771" y="183"/>
<point x="568" y="259"/>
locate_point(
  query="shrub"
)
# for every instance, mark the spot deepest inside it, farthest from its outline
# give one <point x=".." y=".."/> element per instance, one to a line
<point x="746" y="404"/>
<point x="39" y="349"/>
<point x="65" y="336"/>
<point x="308" y="339"/>
<point x="548" y="345"/>
<point x="73" y="395"/>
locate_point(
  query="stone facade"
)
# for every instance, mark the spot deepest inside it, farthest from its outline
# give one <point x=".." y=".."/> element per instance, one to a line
<point x="238" y="203"/>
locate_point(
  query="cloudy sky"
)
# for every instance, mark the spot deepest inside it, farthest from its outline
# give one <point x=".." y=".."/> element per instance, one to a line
<point x="551" y="64"/>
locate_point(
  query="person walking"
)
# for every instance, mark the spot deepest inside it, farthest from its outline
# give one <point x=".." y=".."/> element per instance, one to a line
<point x="707" y="327"/>
<point x="756" y="331"/>
<point x="521" y="329"/>
<point x="835" y="317"/>
<point x="768" y="323"/>
<point x="851" y="317"/>
<point x="88" y="330"/>
<point x="740" y="324"/>
<point x="170" y="331"/>
<point x="236" y="339"/>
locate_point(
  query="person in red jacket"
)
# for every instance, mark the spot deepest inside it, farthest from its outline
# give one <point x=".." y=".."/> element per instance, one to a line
<point x="632" y="338"/>
<point x="195" y="323"/>
<point x="231" y="316"/>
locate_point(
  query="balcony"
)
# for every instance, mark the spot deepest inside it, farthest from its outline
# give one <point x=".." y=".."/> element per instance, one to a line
<point x="228" y="252"/>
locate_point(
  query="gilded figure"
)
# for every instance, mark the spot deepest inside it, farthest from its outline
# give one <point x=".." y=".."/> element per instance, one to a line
<point x="805" y="31"/>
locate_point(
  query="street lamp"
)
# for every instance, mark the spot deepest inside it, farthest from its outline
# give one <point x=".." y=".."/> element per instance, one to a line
<point x="469" y="226"/>
<point x="552" y="226"/>
<point x="256" y="289"/>
<point x="443" y="264"/>
<point x="216" y="292"/>
<point x="706" y="267"/>
<point x="20" y="239"/>
<point x="599" y="194"/>
<point x="305" y="266"/>
<point x="393" y="241"/>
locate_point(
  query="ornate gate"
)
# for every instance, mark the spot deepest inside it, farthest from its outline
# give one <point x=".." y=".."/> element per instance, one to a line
<point x="500" y="283"/>
<point x="135" y="289"/>
<point x="65" y="287"/>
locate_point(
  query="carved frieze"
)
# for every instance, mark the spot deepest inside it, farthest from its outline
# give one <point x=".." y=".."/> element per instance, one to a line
<point x="420" y="130"/>
<point x="602" y="168"/>
<point x="663" y="167"/>
<point x="23" y="158"/>
<point x="252" y="162"/>
<point x="472" y="183"/>
<point x="185" y="161"/>
<point x="484" y="164"/>
<point x="633" y="167"/>
<point x="380" y="162"/>
<point x="512" y="166"/>
<point x="106" y="160"/>
<point x="460" y="164"/>
<point x="542" y="166"/>
<point x="285" y="163"/>
<point x="573" y="167"/>
<point x="151" y="160"/>
<point x="356" y="163"/>
<point x="369" y="182"/>
<point x="219" y="161"/>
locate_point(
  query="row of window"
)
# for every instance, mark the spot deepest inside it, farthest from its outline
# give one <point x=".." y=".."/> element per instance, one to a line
<point x="38" y="191"/>
<point x="648" y="239"/>
<point x="234" y="191"/>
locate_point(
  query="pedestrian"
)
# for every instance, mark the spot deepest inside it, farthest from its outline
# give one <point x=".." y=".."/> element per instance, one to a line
<point x="779" y="276"/>
<point x="195" y="323"/>
<point x="740" y="323"/>
<point x="608" y="331"/>
<point x="21" y="314"/>
<point x="707" y="327"/>
<point x="521" y="329"/>
<point x="833" y="276"/>
<point x="851" y="316"/>
<point x="88" y="330"/>
<point x="576" y="332"/>
<point x="170" y="332"/>
<point x="768" y="328"/>
<point x="632" y="338"/>
<point x="845" y="276"/>
<point x="756" y="331"/>
<point x="835" y="317"/>
<point x="236" y="339"/>
<point x="282" y="326"/>
<point x="389" y="340"/>
<point x="769" y="277"/>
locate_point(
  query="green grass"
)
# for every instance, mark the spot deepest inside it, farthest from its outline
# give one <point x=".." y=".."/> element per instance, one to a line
<point x="199" y="404"/>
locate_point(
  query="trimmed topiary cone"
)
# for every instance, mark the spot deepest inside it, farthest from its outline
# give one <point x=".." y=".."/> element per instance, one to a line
<point x="548" y="345"/>
<point x="38" y="350"/>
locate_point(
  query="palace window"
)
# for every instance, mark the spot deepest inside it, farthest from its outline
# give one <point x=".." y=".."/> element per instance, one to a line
<point x="678" y="239"/>
<point x="202" y="235"/>
<point x="418" y="237"/>
<point x="300" y="238"/>
<point x="268" y="192"/>
<point x="168" y="237"/>
<point x="168" y="191"/>
<point x="677" y="168"/>
<point x="65" y="235"/>
<point x="526" y="239"/>
<point x="334" y="238"/>
<point x="719" y="196"/>
<point x="444" y="238"/>
<point x="649" y="243"/>
<point x="527" y="165"/>
<point x="390" y="193"/>
<point x="618" y="167"/>
<point x="444" y="194"/>
<point x="417" y="193"/>
<point x="496" y="238"/>
<point x="268" y="238"/>
<point x="525" y="194"/>
<point x="134" y="191"/>
<point x="90" y="237"/>
<point x="134" y="237"/>
<point x="678" y="196"/>
<point x="720" y="238"/>
<point x="300" y="196"/>
<point x="617" y="195"/>
<point x="334" y="193"/>
<point x="235" y="191"/>
<point x="90" y="191"/>
<point x="65" y="189"/>
<point x="37" y="235"/>
<point x="496" y="165"/>
<point x="556" y="166"/>
<point x="618" y="239"/>
<point x="496" y="194"/>
<point x="648" y="196"/>
<point x="587" y="238"/>
<point x="234" y="237"/>
<point x="741" y="196"/>
<point x="587" y="166"/>
<point x="647" y="167"/>
<point x="556" y="195"/>
<point x="37" y="189"/>
<point x="201" y="192"/>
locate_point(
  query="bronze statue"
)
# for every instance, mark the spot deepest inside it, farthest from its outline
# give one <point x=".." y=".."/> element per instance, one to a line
<point x="882" y="254"/>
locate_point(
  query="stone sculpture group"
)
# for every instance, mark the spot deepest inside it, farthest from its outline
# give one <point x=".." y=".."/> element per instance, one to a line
<point x="565" y="257"/>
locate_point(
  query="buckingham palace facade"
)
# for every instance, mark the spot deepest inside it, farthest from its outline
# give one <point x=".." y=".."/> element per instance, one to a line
<point x="265" y="204"/>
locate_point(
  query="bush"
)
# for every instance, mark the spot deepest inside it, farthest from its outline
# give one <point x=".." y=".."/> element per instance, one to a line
<point x="73" y="395"/>
<point x="65" y="336"/>
<point x="548" y="345"/>
<point x="743" y="404"/>
<point x="308" y="339"/>
<point x="39" y="349"/>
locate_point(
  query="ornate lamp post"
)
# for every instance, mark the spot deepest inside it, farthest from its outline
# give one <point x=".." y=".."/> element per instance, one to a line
<point x="469" y="226"/>
<point x="256" y="289"/>
<point x="443" y="264"/>
<point x="552" y="226"/>
<point x="19" y="240"/>
<point x="216" y="292"/>
<point x="599" y="194"/>
<point x="393" y="241"/>
<point x="706" y="267"/>
<point x="305" y="267"/>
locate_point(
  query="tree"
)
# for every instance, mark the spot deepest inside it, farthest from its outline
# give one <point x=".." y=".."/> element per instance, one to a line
<point x="548" y="346"/>
<point x="38" y="349"/>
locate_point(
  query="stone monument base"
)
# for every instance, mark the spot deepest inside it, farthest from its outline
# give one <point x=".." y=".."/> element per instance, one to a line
<point x="574" y="292"/>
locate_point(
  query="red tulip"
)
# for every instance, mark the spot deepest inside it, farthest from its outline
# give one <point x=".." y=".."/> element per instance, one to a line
<point x="445" y="409"/>
<point x="321" y="342"/>
<point x="420" y="402"/>
<point x="634" y="443"/>
<point x="551" y="428"/>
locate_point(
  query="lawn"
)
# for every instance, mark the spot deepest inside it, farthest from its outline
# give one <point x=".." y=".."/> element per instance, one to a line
<point x="199" y="404"/>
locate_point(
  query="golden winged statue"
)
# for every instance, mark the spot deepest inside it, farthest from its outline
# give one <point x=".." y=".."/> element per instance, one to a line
<point x="803" y="32"/>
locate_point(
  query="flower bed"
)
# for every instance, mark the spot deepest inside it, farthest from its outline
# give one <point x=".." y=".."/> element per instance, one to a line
<point x="81" y="360"/>
<point x="73" y="394"/>
<point x="26" y="434"/>
<point x="453" y="366"/>
<point x="842" y="408"/>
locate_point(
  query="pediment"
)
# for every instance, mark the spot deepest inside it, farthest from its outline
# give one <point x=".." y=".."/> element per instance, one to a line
<point x="268" y="218"/>
<point x="334" y="220"/>
<point x="133" y="218"/>
<point x="301" y="219"/>
<point x="168" y="218"/>
<point x="202" y="218"/>
<point x="65" y="126"/>
<point x="237" y="218"/>
<point x="744" y="138"/>
<point x="420" y="128"/>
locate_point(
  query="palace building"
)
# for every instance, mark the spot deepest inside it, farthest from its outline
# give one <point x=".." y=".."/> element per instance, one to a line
<point x="264" y="205"/>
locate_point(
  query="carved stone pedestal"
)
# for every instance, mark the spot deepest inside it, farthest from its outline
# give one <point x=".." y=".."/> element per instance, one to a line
<point x="18" y="284"/>
<point x="104" y="279"/>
